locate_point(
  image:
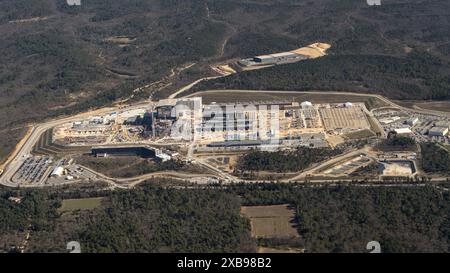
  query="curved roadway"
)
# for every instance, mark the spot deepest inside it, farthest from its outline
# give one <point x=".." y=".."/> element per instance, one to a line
<point x="17" y="159"/>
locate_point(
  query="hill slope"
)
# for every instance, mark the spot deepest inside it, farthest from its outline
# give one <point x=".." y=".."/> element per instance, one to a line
<point x="58" y="59"/>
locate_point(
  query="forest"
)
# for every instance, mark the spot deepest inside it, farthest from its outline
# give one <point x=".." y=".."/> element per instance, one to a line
<point x="395" y="142"/>
<point x="155" y="218"/>
<point x="64" y="59"/>
<point x="435" y="159"/>
<point x="345" y="218"/>
<point x="419" y="76"/>
<point x="284" y="161"/>
<point x="145" y="219"/>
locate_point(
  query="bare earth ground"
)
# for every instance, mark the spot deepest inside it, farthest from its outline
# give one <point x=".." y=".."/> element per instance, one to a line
<point x="314" y="50"/>
<point x="229" y="96"/>
<point x="279" y="250"/>
<point x="271" y="221"/>
<point x="80" y="204"/>
<point x="443" y="106"/>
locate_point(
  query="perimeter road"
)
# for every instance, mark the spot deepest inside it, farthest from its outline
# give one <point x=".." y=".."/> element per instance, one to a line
<point x="15" y="161"/>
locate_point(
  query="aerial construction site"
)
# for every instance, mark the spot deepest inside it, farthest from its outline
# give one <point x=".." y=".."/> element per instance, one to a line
<point x="211" y="138"/>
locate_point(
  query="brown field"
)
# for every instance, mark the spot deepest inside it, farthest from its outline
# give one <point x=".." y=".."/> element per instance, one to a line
<point x="335" y="140"/>
<point x="359" y="134"/>
<point x="229" y="96"/>
<point x="279" y="250"/>
<point x="314" y="50"/>
<point x="374" y="127"/>
<point x="119" y="40"/>
<point x="443" y="106"/>
<point x="349" y="118"/>
<point x="271" y="221"/>
<point x="225" y="163"/>
<point x="80" y="204"/>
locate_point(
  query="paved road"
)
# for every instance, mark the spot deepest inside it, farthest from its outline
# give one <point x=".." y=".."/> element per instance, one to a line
<point x="133" y="181"/>
<point x="15" y="161"/>
<point x="383" y="99"/>
<point x="340" y="158"/>
<point x="189" y="86"/>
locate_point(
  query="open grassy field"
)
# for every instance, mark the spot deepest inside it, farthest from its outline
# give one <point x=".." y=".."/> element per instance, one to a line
<point x="443" y="106"/>
<point x="359" y="134"/>
<point x="133" y="166"/>
<point x="227" y="96"/>
<point x="271" y="221"/>
<point x="80" y="204"/>
<point x="435" y="105"/>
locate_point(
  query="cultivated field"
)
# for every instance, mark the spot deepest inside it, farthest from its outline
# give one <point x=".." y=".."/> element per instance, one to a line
<point x="80" y="204"/>
<point x="271" y="221"/>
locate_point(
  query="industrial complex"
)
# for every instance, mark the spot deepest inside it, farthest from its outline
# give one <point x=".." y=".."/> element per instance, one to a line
<point x="209" y="125"/>
<point x="312" y="51"/>
<point x="214" y="135"/>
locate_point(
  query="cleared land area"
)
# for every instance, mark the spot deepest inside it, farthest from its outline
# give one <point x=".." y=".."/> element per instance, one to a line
<point x="230" y="96"/>
<point x="443" y="106"/>
<point x="132" y="166"/>
<point x="80" y="204"/>
<point x="313" y="51"/>
<point x="359" y="135"/>
<point x="279" y="250"/>
<point x="344" y="118"/>
<point x="271" y="221"/>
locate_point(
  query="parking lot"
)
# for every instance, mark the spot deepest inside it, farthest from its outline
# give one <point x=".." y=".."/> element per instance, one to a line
<point x="34" y="170"/>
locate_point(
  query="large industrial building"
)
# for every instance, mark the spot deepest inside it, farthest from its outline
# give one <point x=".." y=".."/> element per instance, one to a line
<point x="403" y="131"/>
<point x="438" y="131"/>
<point x="412" y="121"/>
<point x="312" y="51"/>
<point x="272" y="59"/>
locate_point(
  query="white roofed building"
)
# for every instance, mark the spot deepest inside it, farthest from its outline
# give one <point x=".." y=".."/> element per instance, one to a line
<point x="306" y="104"/>
<point x="403" y="131"/>
<point x="58" y="172"/>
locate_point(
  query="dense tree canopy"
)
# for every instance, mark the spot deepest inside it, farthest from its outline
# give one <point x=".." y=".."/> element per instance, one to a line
<point x="435" y="159"/>
<point x="417" y="76"/>
<point x="284" y="161"/>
